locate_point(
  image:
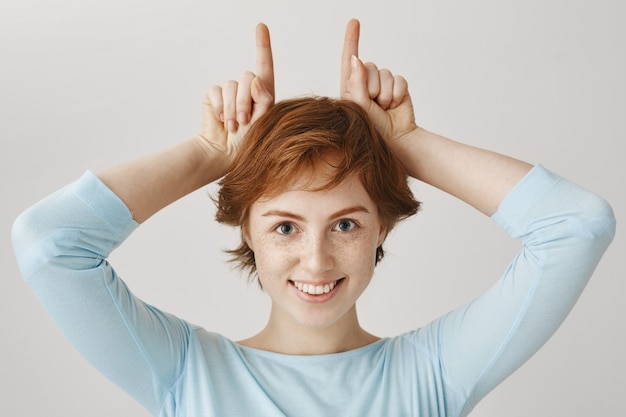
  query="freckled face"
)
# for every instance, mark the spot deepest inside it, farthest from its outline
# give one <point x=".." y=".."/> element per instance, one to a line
<point x="315" y="251"/>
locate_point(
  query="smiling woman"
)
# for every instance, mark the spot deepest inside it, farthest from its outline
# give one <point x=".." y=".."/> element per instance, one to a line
<point x="296" y="138"/>
<point x="316" y="271"/>
<point x="315" y="186"/>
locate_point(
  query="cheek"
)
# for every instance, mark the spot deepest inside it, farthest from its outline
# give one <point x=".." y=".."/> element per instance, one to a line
<point x="271" y="258"/>
<point x="359" y="253"/>
<point x="354" y="255"/>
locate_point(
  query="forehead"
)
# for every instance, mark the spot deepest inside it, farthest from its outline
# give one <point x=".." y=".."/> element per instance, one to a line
<point x="307" y="194"/>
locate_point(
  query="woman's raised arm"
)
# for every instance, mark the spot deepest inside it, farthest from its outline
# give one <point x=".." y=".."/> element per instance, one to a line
<point x="151" y="183"/>
<point x="479" y="177"/>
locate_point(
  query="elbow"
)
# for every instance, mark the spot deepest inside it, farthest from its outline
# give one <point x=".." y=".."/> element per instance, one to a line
<point x="599" y="222"/>
<point x="22" y="232"/>
<point x="39" y="243"/>
<point x="26" y="238"/>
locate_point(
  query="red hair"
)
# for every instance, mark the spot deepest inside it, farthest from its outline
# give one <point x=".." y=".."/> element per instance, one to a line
<point x="290" y="140"/>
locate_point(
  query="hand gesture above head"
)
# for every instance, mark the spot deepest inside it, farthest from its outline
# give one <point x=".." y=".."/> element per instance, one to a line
<point x="229" y="110"/>
<point x="153" y="182"/>
<point x="384" y="97"/>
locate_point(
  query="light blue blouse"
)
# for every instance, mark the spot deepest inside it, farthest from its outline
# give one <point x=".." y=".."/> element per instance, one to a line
<point x="175" y="368"/>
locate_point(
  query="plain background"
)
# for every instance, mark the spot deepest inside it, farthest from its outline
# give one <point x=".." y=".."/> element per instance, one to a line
<point x="88" y="84"/>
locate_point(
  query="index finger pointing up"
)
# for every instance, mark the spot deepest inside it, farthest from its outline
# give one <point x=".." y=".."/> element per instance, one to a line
<point x="264" y="60"/>
<point x="350" y="48"/>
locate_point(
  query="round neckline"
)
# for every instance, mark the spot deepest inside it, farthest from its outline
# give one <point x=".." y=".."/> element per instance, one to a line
<point x="325" y="356"/>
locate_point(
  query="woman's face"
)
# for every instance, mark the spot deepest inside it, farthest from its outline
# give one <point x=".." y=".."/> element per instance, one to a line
<point x="315" y="251"/>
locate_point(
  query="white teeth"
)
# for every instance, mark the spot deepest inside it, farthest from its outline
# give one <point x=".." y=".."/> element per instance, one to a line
<point x="315" y="289"/>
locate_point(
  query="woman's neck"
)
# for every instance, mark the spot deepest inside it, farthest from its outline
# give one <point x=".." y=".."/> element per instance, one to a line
<point x="281" y="335"/>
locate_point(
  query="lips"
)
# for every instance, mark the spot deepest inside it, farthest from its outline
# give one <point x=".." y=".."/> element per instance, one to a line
<point x="316" y="289"/>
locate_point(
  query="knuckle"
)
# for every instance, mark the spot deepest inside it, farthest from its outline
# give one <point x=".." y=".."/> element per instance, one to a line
<point x="371" y="66"/>
<point x="247" y="75"/>
<point x="214" y="91"/>
<point x="242" y="104"/>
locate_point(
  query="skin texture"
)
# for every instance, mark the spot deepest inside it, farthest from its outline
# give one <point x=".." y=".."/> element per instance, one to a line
<point x="314" y="238"/>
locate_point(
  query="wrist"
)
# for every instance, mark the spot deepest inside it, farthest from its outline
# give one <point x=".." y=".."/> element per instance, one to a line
<point x="407" y="148"/>
<point x="212" y="162"/>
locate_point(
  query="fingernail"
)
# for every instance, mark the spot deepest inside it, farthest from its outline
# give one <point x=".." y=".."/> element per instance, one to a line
<point x="222" y="117"/>
<point x="242" y="117"/>
<point x="354" y="62"/>
<point x="231" y="125"/>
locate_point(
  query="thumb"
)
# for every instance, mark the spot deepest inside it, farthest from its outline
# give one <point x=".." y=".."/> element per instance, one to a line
<point x="356" y="87"/>
<point x="358" y="92"/>
<point x="261" y="97"/>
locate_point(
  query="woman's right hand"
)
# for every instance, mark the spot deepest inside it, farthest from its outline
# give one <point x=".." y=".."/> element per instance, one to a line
<point x="228" y="111"/>
<point x="148" y="184"/>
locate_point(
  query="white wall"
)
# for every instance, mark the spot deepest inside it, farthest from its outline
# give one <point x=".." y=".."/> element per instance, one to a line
<point x="86" y="84"/>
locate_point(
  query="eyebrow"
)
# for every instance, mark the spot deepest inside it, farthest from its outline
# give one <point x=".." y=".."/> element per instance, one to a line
<point x="342" y="212"/>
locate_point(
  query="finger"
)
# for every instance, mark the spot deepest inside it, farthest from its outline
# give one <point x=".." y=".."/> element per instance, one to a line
<point x="385" y="96"/>
<point x="229" y="95"/>
<point x="214" y="101"/>
<point x="261" y="97"/>
<point x="357" y="91"/>
<point x="373" y="83"/>
<point x="264" y="58"/>
<point x="244" y="99"/>
<point x="356" y="85"/>
<point x="400" y="91"/>
<point x="350" y="48"/>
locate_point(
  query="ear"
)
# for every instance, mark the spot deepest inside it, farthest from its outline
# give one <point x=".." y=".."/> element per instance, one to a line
<point x="245" y="235"/>
<point x="382" y="235"/>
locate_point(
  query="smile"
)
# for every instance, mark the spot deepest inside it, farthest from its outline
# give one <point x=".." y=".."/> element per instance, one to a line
<point x="316" y="289"/>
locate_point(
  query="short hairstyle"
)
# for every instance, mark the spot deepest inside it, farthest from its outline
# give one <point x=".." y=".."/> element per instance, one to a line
<point x="291" y="139"/>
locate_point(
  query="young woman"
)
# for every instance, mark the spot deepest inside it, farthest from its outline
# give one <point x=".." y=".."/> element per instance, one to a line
<point x="315" y="186"/>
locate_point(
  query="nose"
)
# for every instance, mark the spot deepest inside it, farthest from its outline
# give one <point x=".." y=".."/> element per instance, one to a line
<point x="317" y="255"/>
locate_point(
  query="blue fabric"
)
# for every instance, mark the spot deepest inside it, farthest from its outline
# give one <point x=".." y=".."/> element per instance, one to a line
<point x="177" y="369"/>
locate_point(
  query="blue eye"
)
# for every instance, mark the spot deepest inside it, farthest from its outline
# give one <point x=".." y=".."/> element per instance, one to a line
<point x="345" y="225"/>
<point x="285" y="228"/>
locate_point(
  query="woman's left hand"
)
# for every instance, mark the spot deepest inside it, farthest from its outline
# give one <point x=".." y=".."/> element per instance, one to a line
<point x="384" y="97"/>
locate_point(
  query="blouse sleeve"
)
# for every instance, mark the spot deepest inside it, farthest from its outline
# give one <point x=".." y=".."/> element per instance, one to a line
<point x="564" y="231"/>
<point x="61" y="245"/>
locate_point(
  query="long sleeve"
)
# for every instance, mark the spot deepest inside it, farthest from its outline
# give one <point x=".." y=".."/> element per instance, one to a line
<point x="444" y="368"/>
<point x="564" y="231"/>
<point x="61" y="245"/>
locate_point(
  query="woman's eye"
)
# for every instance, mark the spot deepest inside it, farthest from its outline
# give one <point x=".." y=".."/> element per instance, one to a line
<point x="345" y="225"/>
<point x="285" y="228"/>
